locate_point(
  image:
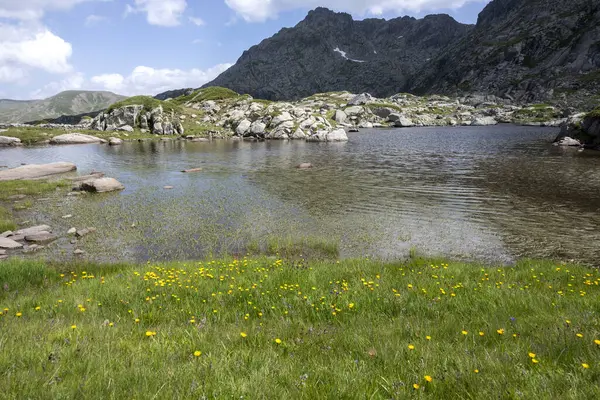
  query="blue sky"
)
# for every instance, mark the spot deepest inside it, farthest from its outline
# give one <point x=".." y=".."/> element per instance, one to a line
<point x="149" y="46"/>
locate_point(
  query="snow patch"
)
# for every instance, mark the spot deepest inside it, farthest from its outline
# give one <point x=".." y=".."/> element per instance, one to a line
<point x="343" y="53"/>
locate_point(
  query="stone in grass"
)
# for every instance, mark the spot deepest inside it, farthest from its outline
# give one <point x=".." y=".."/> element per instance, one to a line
<point x="72" y="231"/>
<point x="304" y="166"/>
<point x="79" y="252"/>
<point x="33" y="230"/>
<point x="168" y="187"/>
<point x="84" y="232"/>
<point x="2" y="252"/>
<point x="188" y="171"/>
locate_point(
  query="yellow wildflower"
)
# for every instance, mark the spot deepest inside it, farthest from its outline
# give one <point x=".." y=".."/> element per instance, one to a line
<point x="579" y="335"/>
<point x="428" y="378"/>
<point x="500" y="331"/>
<point x="197" y="353"/>
<point x="243" y="334"/>
<point x="278" y="341"/>
<point x="531" y="355"/>
<point x="416" y="386"/>
<point x="585" y="366"/>
<point x="465" y="332"/>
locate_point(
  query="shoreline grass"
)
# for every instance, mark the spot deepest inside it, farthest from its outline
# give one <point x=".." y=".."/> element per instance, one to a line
<point x="269" y="328"/>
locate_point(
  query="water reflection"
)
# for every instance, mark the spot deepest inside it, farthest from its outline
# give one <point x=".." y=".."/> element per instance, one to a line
<point x="491" y="193"/>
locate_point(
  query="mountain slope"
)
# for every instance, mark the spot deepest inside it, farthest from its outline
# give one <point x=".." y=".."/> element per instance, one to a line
<point x="330" y="51"/>
<point x="528" y="50"/>
<point x="532" y="50"/>
<point x="71" y="102"/>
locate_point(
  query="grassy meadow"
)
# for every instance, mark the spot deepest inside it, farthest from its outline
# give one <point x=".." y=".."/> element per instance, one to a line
<point x="271" y="328"/>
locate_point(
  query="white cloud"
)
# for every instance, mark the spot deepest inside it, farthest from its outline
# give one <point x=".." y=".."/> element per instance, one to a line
<point x="261" y="10"/>
<point x="92" y="20"/>
<point x="34" y="9"/>
<point x="197" y="21"/>
<point x="159" y="12"/>
<point x="72" y="82"/>
<point x="26" y="47"/>
<point x="151" y="81"/>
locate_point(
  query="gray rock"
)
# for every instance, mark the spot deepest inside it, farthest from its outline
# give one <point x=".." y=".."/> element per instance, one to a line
<point x="567" y="141"/>
<point x="484" y="121"/>
<point x="102" y="185"/>
<point x="354" y="111"/>
<point x="257" y="128"/>
<point x="340" y="117"/>
<point x="6" y="243"/>
<point x="393" y="117"/>
<point x="72" y="231"/>
<point x="125" y="128"/>
<point x="41" y="237"/>
<point x="298" y="134"/>
<point x="338" y="135"/>
<point x="168" y="128"/>
<point x="33" y="230"/>
<point x="304" y="166"/>
<point x="6" y="234"/>
<point x="157" y="128"/>
<point x="179" y="128"/>
<point x="404" y="122"/>
<point x="34" y="171"/>
<point x="361" y="99"/>
<point x="278" y="119"/>
<point x="382" y="112"/>
<point x="243" y="127"/>
<point x="79" y="252"/>
<point x="85" y="232"/>
<point x="2" y="252"/>
<point x="9" y="141"/>
<point x="75" y="138"/>
<point x="144" y="122"/>
<point x="115" y="141"/>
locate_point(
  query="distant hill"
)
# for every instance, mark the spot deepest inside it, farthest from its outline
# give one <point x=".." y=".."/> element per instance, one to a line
<point x="71" y="102"/>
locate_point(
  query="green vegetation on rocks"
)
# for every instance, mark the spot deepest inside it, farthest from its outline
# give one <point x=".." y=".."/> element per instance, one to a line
<point x="209" y="93"/>
<point x="270" y="328"/>
<point x="148" y="102"/>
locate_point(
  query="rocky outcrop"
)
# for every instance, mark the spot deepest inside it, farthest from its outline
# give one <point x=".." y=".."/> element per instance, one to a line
<point x="34" y="171"/>
<point x="127" y="118"/>
<point x="75" y="138"/>
<point x="581" y="130"/>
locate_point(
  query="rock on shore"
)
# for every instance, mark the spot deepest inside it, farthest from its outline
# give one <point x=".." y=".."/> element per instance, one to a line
<point x="35" y="171"/>
<point x="75" y="138"/>
<point x="9" y="141"/>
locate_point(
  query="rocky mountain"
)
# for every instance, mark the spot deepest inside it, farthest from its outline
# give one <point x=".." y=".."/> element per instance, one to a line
<point x="526" y="50"/>
<point x="530" y="50"/>
<point x="67" y="103"/>
<point x="330" y="51"/>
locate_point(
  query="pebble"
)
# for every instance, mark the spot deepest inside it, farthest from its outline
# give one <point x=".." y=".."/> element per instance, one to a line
<point x="72" y="231"/>
<point x="67" y="216"/>
<point x="168" y="187"/>
<point x="78" y="252"/>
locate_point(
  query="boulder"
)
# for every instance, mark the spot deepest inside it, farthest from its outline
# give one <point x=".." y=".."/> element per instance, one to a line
<point x="393" y="117"/>
<point x="404" y="122"/>
<point x="567" y="141"/>
<point x="6" y="243"/>
<point x="9" y="141"/>
<point x="278" y="119"/>
<point x="34" y="171"/>
<point x="338" y="135"/>
<point x="340" y="117"/>
<point x="484" y="121"/>
<point x="243" y="127"/>
<point x="168" y="128"/>
<point x="157" y="128"/>
<point x="75" y="138"/>
<point x="298" y="134"/>
<point x="382" y="112"/>
<point x="102" y="185"/>
<point x="354" y="111"/>
<point x="257" y="128"/>
<point x="361" y="99"/>
<point x="85" y="232"/>
<point x="115" y="141"/>
<point x="125" y="128"/>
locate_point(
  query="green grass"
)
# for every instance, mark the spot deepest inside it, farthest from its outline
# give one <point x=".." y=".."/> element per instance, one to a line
<point x="35" y="135"/>
<point x="349" y="329"/>
<point x="209" y="93"/>
<point x="28" y="188"/>
<point x="374" y="106"/>
<point x="148" y="102"/>
<point x="594" y="113"/>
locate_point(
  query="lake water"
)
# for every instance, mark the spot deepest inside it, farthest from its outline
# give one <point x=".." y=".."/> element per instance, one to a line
<point x="488" y="193"/>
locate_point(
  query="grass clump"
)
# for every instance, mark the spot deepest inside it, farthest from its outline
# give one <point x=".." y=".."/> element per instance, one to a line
<point x="268" y="328"/>
<point x="594" y="113"/>
<point x="375" y="106"/>
<point x="209" y="93"/>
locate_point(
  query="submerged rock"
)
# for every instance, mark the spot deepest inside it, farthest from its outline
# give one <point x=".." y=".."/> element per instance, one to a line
<point x="567" y="141"/>
<point x="33" y="230"/>
<point x="41" y="237"/>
